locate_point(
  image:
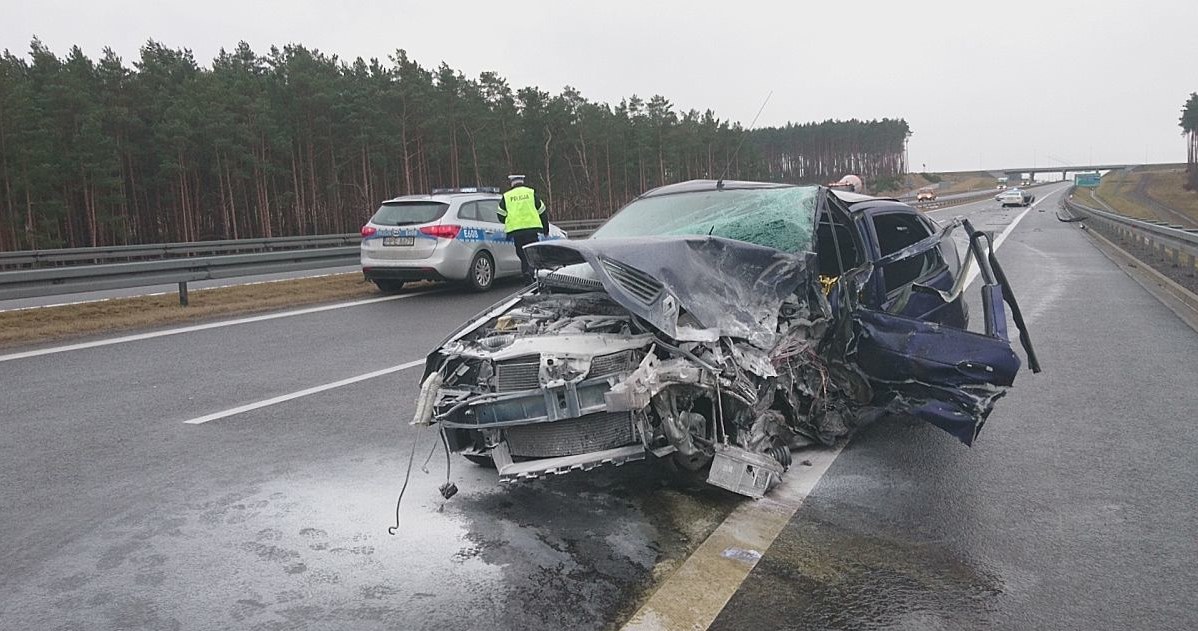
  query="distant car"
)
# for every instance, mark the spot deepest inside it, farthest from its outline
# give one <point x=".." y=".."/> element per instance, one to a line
<point x="926" y="195"/>
<point x="1015" y="197"/>
<point x="451" y="235"/>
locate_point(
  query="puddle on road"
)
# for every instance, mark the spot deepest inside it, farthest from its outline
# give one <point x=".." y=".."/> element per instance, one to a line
<point x="581" y="550"/>
<point x="307" y="547"/>
<point x="819" y="576"/>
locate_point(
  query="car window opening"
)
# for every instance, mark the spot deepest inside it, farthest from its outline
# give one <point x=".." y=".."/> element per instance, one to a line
<point x="469" y="210"/>
<point x="896" y="231"/>
<point x="836" y="250"/>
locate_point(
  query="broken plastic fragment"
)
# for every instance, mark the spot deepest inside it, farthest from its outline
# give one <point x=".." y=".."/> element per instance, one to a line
<point x="428" y="396"/>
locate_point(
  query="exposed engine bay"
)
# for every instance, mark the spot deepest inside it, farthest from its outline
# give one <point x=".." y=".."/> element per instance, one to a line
<point x="713" y="354"/>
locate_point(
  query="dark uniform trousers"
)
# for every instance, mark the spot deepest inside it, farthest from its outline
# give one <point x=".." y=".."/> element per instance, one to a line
<point x="521" y="239"/>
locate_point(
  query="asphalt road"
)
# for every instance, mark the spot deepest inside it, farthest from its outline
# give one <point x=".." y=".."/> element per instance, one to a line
<point x="1075" y="505"/>
<point x="119" y="515"/>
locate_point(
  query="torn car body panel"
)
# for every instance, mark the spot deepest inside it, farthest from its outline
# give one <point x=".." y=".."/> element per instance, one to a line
<point x="718" y="352"/>
<point x="731" y="286"/>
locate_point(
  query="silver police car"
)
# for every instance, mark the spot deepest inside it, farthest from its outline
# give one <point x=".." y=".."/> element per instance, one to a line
<point x="452" y="234"/>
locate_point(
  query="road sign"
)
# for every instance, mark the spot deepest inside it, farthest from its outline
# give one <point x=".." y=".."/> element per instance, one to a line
<point x="1087" y="180"/>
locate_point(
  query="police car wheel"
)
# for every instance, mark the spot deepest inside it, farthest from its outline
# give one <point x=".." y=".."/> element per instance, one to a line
<point x="482" y="272"/>
<point x="388" y="286"/>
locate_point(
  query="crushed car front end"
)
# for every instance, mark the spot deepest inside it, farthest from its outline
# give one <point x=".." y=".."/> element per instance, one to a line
<point x="714" y="343"/>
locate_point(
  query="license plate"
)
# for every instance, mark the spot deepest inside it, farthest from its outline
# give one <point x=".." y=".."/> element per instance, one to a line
<point x="399" y="240"/>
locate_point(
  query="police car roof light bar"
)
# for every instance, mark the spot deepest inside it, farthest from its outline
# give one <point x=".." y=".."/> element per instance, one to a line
<point x="469" y="189"/>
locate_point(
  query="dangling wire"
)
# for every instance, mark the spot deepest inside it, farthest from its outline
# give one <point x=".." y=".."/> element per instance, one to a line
<point x="433" y="450"/>
<point x="407" y="476"/>
<point x="445" y="443"/>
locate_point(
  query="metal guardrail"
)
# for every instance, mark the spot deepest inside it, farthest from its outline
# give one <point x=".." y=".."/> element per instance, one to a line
<point x="82" y="278"/>
<point x="156" y="251"/>
<point x="74" y="270"/>
<point x="579" y="228"/>
<point x="945" y="203"/>
<point x="1174" y="243"/>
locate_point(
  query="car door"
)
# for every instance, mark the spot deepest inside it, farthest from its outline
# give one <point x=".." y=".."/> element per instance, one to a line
<point x="945" y="375"/>
<point x="502" y="248"/>
<point x="473" y="233"/>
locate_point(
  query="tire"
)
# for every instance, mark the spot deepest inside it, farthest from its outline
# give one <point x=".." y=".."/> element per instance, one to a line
<point x="480" y="276"/>
<point x="689" y="472"/>
<point x="388" y="286"/>
<point x="481" y="460"/>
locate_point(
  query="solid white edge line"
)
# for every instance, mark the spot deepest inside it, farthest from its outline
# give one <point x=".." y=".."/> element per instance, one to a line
<point x="300" y="393"/>
<point x="204" y="327"/>
<point x="701" y="587"/>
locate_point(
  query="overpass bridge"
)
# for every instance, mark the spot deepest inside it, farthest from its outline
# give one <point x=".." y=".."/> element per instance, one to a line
<point x="1015" y="174"/>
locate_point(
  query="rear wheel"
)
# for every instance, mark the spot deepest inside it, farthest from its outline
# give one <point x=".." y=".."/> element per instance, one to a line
<point x="388" y="286"/>
<point x="482" y="272"/>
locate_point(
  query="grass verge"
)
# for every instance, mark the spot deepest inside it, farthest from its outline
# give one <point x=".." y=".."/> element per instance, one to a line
<point x="1165" y="187"/>
<point x="45" y="324"/>
<point x="1168" y="188"/>
<point x="1085" y="197"/>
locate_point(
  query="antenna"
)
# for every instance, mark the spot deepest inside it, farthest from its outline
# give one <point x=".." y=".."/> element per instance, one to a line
<point x="719" y="184"/>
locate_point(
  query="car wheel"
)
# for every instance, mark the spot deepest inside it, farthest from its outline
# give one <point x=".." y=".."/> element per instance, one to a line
<point x="481" y="460"/>
<point x="389" y="286"/>
<point x="685" y="471"/>
<point x="481" y="275"/>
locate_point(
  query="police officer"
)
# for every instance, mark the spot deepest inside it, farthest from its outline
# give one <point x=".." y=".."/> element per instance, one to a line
<point x="524" y="217"/>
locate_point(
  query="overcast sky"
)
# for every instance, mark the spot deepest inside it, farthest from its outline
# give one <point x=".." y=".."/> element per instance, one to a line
<point x="1011" y="85"/>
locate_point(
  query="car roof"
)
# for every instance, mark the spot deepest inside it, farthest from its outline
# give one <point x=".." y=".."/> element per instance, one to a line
<point x="856" y="201"/>
<point x="442" y="197"/>
<point x="693" y="186"/>
<point x="855" y="198"/>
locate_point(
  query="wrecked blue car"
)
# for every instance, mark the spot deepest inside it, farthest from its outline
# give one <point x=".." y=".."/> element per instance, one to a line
<point x="718" y="326"/>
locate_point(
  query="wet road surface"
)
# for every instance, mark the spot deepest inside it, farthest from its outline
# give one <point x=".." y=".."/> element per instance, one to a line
<point x="118" y="515"/>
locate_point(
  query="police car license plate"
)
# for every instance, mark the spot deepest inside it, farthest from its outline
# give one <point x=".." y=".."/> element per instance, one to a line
<point x="399" y="240"/>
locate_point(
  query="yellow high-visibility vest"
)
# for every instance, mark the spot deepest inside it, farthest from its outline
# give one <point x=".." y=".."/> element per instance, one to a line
<point x="521" y="206"/>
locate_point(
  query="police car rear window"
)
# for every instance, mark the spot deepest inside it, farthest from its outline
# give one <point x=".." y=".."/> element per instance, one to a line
<point x="408" y="213"/>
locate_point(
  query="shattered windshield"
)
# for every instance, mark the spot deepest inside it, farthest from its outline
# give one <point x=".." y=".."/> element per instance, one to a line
<point x="779" y="218"/>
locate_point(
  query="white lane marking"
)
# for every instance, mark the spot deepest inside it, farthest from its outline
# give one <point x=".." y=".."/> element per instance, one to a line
<point x="165" y="293"/>
<point x="700" y="588"/>
<point x="300" y="393"/>
<point x="998" y="241"/>
<point x="204" y="327"/>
